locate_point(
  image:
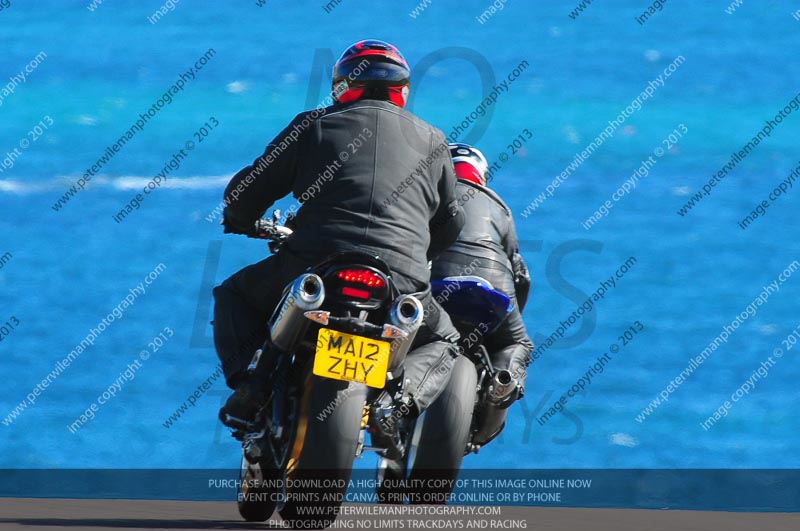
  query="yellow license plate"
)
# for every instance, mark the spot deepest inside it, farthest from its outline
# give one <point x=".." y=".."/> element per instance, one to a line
<point x="351" y="358"/>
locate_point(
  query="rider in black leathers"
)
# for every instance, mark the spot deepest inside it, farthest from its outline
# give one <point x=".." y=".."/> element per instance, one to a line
<point x="487" y="247"/>
<point x="390" y="193"/>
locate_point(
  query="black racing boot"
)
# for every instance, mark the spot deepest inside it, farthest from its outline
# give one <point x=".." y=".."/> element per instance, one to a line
<point x="387" y="422"/>
<point x="241" y="407"/>
<point x="251" y="391"/>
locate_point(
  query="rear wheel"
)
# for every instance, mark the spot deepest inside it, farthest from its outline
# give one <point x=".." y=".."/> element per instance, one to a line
<point x="321" y="458"/>
<point x="441" y="436"/>
<point x="391" y="473"/>
<point x="257" y="494"/>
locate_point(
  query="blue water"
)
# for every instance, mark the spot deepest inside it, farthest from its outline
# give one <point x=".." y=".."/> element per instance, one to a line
<point x="693" y="274"/>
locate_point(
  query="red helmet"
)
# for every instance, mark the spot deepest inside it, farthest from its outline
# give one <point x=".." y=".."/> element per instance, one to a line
<point x="469" y="163"/>
<point x="371" y="68"/>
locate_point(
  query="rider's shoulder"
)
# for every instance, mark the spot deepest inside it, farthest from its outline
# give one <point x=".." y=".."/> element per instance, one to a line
<point x="489" y="193"/>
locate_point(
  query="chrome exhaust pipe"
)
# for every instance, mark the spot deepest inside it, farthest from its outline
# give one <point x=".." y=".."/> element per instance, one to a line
<point x="406" y="314"/>
<point x="490" y="421"/>
<point x="288" y="323"/>
<point x="501" y="387"/>
<point x="491" y="414"/>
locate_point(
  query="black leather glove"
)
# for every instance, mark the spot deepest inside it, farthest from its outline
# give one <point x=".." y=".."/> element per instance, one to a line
<point x="522" y="280"/>
<point x="230" y="227"/>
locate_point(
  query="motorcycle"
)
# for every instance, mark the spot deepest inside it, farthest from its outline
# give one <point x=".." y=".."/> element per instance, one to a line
<point x="341" y="333"/>
<point x="470" y="412"/>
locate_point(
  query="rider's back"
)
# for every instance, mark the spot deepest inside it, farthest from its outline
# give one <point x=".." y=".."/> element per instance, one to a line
<point x="486" y="240"/>
<point x="370" y="175"/>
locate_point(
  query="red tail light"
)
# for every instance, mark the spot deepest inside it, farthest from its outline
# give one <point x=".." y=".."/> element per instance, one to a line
<point x="361" y="276"/>
<point x="357" y="293"/>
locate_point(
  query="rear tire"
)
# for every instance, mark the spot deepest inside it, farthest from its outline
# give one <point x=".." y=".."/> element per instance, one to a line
<point x="442" y="433"/>
<point x="324" y="450"/>
<point x="390" y="473"/>
<point x="256" y="502"/>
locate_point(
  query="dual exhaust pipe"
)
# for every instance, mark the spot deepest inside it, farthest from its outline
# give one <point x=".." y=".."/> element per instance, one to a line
<point x="307" y="293"/>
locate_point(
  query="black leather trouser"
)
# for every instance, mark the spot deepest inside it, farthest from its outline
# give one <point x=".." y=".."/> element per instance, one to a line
<point x="510" y="347"/>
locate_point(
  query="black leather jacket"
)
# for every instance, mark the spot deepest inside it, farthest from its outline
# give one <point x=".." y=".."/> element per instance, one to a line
<point x="370" y="176"/>
<point x="488" y="240"/>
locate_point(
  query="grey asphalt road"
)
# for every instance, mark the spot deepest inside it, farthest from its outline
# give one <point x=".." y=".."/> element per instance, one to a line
<point x="26" y="514"/>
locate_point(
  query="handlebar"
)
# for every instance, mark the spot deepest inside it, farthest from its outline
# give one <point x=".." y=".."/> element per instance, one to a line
<point x="272" y="231"/>
<point x="267" y="229"/>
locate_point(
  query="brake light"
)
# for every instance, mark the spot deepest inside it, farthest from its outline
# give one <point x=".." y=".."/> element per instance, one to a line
<point x="357" y="293"/>
<point x="361" y="276"/>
